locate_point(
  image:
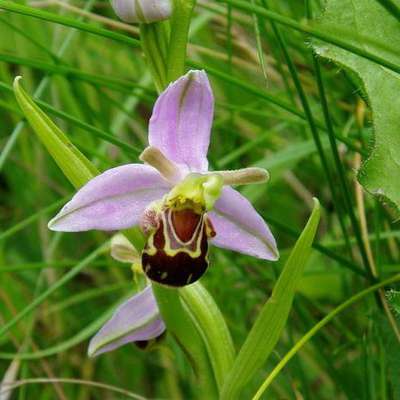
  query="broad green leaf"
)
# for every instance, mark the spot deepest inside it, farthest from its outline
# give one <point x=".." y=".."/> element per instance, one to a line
<point x="371" y="26"/>
<point x="269" y="324"/>
<point x="75" y="166"/>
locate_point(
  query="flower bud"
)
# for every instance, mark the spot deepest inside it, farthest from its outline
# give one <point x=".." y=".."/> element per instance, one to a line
<point x="144" y="11"/>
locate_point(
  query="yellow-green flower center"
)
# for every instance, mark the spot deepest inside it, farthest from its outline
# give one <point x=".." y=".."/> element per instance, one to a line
<point x="198" y="192"/>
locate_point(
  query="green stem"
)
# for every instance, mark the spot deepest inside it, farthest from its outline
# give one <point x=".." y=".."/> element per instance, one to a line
<point x="153" y="40"/>
<point x="180" y="23"/>
<point x="179" y="323"/>
<point x="316" y="328"/>
<point x="181" y="327"/>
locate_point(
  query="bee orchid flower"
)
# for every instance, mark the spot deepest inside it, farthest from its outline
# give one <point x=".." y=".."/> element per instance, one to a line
<point x="179" y="204"/>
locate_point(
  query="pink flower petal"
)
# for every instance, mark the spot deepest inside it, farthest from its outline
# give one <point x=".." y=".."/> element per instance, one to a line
<point x="113" y="200"/>
<point x="136" y="319"/>
<point x="240" y="228"/>
<point x="181" y="122"/>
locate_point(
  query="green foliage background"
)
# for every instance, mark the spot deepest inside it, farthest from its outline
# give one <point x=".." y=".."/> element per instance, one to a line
<point x="94" y="83"/>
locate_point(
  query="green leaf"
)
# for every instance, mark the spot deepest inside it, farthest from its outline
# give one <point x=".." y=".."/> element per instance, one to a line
<point x="369" y="25"/>
<point x="75" y="166"/>
<point x="182" y="327"/>
<point x="269" y="324"/>
<point x="212" y="328"/>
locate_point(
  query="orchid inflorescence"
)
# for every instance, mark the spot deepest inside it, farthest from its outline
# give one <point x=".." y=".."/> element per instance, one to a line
<point x="178" y="203"/>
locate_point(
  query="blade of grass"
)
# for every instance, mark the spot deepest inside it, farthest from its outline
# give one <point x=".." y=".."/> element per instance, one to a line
<point x="67" y="344"/>
<point x="34" y="217"/>
<point x="317" y="246"/>
<point x="12" y="140"/>
<point x="62" y="281"/>
<point x="51" y="264"/>
<point x="67" y="21"/>
<point x="117" y="84"/>
<point x="260" y="50"/>
<point x="240" y="4"/>
<point x="316" y="328"/>
<point x="108" y="137"/>
<point x="31" y="39"/>
<point x="337" y="201"/>
<point x="272" y="318"/>
<point x="75" y="166"/>
<point x="340" y="169"/>
<point x="301" y="27"/>
<point x="99" y="385"/>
